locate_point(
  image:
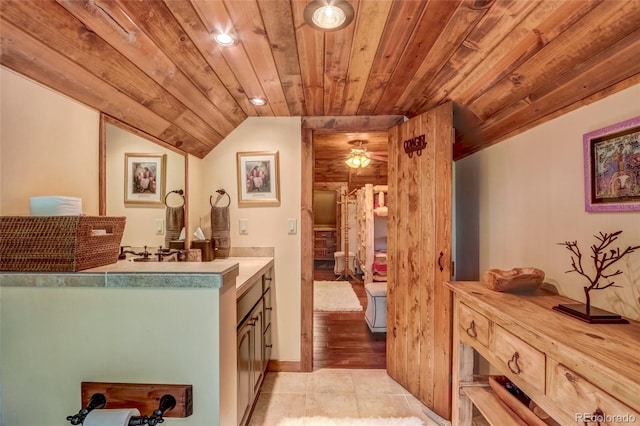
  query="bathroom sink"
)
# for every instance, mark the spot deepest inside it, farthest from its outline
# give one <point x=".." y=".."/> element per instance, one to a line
<point x="154" y="258"/>
<point x="145" y="259"/>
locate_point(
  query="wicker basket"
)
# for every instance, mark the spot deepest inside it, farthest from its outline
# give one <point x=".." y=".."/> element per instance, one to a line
<point x="59" y="243"/>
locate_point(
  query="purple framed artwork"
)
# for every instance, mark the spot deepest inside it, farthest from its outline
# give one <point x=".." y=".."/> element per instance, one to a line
<point x="612" y="168"/>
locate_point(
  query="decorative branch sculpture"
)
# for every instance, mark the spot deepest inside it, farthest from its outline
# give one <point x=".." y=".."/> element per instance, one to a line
<point x="603" y="259"/>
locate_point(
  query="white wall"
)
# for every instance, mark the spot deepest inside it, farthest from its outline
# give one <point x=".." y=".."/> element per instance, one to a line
<point x="141" y="219"/>
<point x="48" y="146"/>
<point x="267" y="226"/>
<point x="56" y="338"/>
<point x="518" y="199"/>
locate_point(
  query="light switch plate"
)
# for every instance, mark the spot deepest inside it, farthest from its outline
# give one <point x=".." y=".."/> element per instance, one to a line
<point x="292" y="226"/>
<point x="244" y="226"/>
<point x="159" y="226"/>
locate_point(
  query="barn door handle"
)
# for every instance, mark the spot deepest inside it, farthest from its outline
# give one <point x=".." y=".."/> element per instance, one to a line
<point x="514" y="361"/>
<point x="440" y="261"/>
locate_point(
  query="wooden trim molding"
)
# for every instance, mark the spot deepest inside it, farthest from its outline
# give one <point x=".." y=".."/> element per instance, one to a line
<point x="306" y="255"/>
<point x="284" y="366"/>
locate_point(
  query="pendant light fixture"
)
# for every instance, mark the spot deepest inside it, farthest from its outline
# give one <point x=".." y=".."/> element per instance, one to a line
<point x="328" y="15"/>
<point x="358" y="156"/>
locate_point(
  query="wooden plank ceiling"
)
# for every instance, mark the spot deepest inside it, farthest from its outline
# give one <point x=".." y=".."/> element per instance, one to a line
<point x="508" y="64"/>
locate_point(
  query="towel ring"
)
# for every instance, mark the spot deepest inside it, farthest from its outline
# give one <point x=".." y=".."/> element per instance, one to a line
<point x="221" y="192"/>
<point x="180" y="192"/>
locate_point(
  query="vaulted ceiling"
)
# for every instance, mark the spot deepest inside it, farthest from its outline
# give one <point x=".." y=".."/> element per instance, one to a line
<point x="153" y="64"/>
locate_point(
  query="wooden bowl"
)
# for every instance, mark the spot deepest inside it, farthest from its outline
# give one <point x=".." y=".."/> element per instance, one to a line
<point x="516" y="279"/>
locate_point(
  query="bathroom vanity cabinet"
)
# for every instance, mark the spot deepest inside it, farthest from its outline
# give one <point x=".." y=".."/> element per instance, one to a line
<point x="254" y="309"/>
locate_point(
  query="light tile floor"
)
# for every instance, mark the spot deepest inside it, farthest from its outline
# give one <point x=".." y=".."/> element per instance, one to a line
<point x="334" y="393"/>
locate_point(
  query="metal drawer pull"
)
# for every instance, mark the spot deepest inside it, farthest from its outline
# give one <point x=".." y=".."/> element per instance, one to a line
<point x="471" y="331"/>
<point x="268" y="346"/>
<point x="514" y="360"/>
<point x="268" y="309"/>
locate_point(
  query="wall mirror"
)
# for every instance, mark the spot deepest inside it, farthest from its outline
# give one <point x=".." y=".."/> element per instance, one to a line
<point x="138" y="177"/>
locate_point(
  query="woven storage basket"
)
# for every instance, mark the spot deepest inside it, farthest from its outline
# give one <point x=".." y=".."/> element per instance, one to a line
<point x="59" y="243"/>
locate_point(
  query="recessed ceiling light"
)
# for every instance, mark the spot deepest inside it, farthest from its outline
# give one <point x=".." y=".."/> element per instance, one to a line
<point x="224" y="39"/>
<point x="258" y="101"/>
<point x="328" y="15"/>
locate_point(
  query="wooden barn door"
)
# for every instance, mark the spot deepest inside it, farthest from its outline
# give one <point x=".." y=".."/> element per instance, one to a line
<point x="419" y="255"/>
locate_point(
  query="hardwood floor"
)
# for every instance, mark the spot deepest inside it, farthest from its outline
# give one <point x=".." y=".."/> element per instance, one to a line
<point x="343" y="339"/>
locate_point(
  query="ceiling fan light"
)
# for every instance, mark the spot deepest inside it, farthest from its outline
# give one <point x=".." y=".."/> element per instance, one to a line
<point x="328" y="15"/>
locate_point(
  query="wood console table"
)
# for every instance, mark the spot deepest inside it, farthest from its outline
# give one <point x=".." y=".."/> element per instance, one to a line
<point x="571" y="369"/>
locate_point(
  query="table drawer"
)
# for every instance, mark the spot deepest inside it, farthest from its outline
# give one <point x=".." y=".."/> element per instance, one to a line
<point x="519" y="358"/>
<point x="580" y="398"/>
<point x="473" y="326"/>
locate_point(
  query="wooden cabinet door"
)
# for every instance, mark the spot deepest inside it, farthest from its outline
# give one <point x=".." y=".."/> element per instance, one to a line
<point x="257" y="319"/>
<point x="419" y="307"/>
<point x="245" y="375"/>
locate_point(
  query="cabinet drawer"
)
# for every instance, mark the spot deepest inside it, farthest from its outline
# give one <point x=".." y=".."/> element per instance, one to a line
<point x="579" y="397"/>
<point x="473" y="325"/>
<point x="519" y="358"/>
<point x="325" y="234"/>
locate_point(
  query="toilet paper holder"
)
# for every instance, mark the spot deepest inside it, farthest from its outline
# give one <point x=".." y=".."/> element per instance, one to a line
<point x="98" y="400"/>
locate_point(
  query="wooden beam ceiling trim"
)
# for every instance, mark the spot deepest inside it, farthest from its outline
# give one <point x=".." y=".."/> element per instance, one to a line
<point x="402" y="19"/>
<point x="369" y="29"/>
<point x="353" y="123"/>
<point x="253" y="36"/>
<point x="278" y="22"/>
<point x="191" y="21"/>
<point x="310" y="53"/>
<point x="157" y="22"/>
<point x="573" y="45"/>
<point x="434" y="18"/>
<point x="215" y="17"/>
<point x="457" y="29"/>
<point x="497" y="26"/>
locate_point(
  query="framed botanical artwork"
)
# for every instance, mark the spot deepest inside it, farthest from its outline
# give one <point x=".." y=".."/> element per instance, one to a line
<point x="258" y="179"/>
<point x="612" y="168"/>
<point x="144" y="178"/>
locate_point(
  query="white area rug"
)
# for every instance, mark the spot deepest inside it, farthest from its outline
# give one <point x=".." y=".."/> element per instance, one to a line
<point x="334" y="296"/>
<point x="326" y="421"/>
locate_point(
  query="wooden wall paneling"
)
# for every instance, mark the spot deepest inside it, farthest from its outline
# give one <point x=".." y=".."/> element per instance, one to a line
<point x="543" y="25"/>
<point x="461" y="23"/>
<point x="419" y="307"/>
<point x="442" y="298"/>
<point x="310" y="52"/>
<point x="248" y="23"/>
<point x="591" y="76"/>
<point x="278" y="22"/>
<point x="573" y="46"/>
<point x="433" y="19"/>
<point x="426" y="208"/>
<point x="23" y="54"/>
<point x="216" y="18"/>
<point x="503" y="24"/>
<point x="415" y="251"/>
<point x="337" y="47"/>
<point x="158" y="23"/>
<point x="138" y="48"/>
<point x="198" y="27"/>
<point x="370" y="24"/>
<point x="306" y="252"/>
<point x="392" y="245"/>
<point x="402" y="19"/>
